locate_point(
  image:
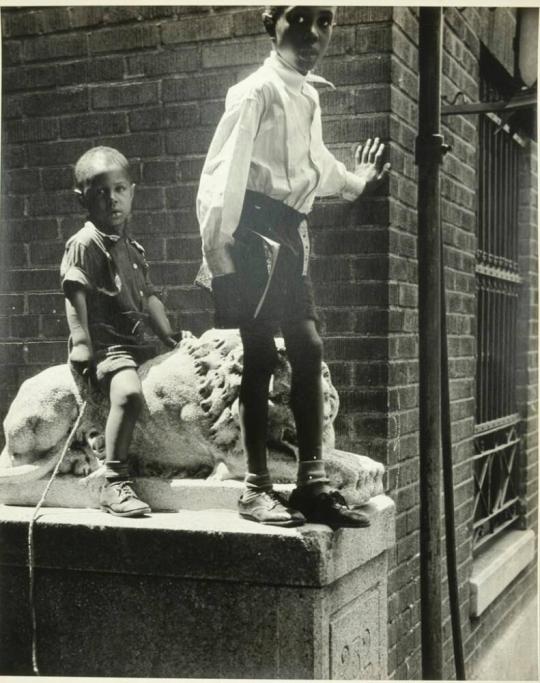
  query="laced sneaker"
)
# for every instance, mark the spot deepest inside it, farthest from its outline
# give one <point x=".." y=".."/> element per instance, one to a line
<point x="327" y="507"/>
<point x="266" y="507"/>
<point x="118" y="498"/>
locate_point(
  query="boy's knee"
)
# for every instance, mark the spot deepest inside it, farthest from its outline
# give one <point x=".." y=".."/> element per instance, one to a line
<point x="308" y="353"/>
<point x="128" y="398"/>
<point x="262" y="359"/>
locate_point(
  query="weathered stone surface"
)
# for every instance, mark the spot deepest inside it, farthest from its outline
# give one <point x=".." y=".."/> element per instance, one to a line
<point x="195" y="594"/>
<point x="189" y="427"/>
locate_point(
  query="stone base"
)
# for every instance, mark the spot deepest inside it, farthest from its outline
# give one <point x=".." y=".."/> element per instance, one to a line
<point x="195" y="594"/>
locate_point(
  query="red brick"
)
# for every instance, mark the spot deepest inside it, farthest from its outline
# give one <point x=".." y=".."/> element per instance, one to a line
<point x="59" y="102"/>
<point x="27" y="78"/>
<point x="181" y="196"/>
<point x="23" y="180"/>
<point x="13" y="206"/>
<point x="188" y="140"/>
<point x="207" y="86"/>
<point x="24" y="326"/>
<point x="182" y="115"/>
<point x="60" y="178"/>
<point x="183" y="249"/>
<point x="46" y="253"/>
<point x="11" y="52"/>
<point x="90" y="71"/>
<point x="30" y="130"/>
<point x="81" y="17"/>
<point x="36" y="228"/>
<point x="191" y="29"/>
<point x="136" y="144"/>
<point x="128" y="38"/>
<point x="238" y="52"/>
<point x="21" y="23"/>
<point x="358" y="70"/>
<point x="53" y="203"/>
<point x="13" y="156"/>
<point x="11" y="303"/>
<point x="48" y="352"/>
<point x="93" y="124"/>
<point x="55" y="47"/>
<point x="54" y="327"/>
<point x="159" y="171"/>
<point x="363" y="15"/>
<point x="125" y="95"/>
<point x="35" y="279"/>
<point x="51" y="304"/>
<point x="149" y="198"/>
<point x="170" y="61"/>
<point x="190" y="298"/>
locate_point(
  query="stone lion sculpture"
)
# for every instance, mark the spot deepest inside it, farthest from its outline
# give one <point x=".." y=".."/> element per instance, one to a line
<point x="189" y="427"/>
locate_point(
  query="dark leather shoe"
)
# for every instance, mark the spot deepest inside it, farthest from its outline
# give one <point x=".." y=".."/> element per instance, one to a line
<point x="328" y="507"/>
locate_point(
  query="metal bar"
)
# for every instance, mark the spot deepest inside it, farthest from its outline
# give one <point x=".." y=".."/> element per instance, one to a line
<point x="496" y="425"/>
<point x="428" y="160"/>
<point x="488" y="537"/>
<point x="496" y="512"/>
<point x="498" y="273"/>
<point x="448" y="487"/>
<point x="495" y="449"/>
<point x="517" y="102"/>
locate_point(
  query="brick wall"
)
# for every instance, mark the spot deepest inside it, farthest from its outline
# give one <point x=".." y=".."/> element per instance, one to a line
<point x="151" y="81"/>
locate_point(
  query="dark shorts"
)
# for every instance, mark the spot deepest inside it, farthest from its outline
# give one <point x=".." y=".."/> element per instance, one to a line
<point x="271" y="257"/>
<point x="115" y="358"/>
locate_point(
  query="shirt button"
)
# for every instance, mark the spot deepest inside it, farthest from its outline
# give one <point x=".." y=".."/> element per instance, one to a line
<point x="141" y="292"/>
<point x="135" y="266"/>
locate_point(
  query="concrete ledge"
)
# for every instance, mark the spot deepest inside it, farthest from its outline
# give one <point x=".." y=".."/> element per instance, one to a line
<point x="195" y="594"/>
<point x="498" y="566"/>
<point x="204" y="544"/>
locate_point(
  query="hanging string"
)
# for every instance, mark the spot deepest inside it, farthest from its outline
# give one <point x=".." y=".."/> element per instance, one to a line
<point x="31" y="591"/>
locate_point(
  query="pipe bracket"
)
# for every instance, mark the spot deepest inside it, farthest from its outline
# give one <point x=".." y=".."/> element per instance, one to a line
<point x="430" y="149"/>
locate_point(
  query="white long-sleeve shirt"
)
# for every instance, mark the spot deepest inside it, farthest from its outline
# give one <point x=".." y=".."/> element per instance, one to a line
<point x="269" y="140"/>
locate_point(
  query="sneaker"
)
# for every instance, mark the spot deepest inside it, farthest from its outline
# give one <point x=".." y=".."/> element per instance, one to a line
<point x="267" y="507"/>
<point x="327" y="507"/>
<point x="118" y="498"/>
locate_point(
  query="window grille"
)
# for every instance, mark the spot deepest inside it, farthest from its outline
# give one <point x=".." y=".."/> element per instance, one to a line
<point x="497" y="443"/>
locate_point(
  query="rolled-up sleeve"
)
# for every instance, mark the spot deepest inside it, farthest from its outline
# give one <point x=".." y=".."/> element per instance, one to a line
<point x="224" y="181"/>
<point x="76" y="266"/>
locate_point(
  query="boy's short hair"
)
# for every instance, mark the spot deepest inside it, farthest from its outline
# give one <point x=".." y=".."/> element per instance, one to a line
<point x="96" y="161"/>
<point x="270" y="16"/>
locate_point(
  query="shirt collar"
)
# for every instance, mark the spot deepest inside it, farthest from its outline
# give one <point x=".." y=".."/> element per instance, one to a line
<point x="105" y="235"/>
<point x="293" y="79"/>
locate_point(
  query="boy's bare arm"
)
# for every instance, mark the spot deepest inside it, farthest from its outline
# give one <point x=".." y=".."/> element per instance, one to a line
<point x="159" y="321"/>
<point x="81" y="354"/>
<point x="369" y="164"/>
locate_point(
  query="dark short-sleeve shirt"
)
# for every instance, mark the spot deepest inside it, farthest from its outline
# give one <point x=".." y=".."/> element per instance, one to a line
<point x="115" y="275"/>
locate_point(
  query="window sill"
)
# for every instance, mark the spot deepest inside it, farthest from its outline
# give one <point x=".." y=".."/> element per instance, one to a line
<point x="498" y="566"/>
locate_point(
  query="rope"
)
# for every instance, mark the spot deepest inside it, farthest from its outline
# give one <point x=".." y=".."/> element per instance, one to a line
<point x="31" y="591"/>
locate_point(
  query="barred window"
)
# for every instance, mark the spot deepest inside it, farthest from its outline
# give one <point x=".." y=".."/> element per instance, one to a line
<point x="497" y="443"/>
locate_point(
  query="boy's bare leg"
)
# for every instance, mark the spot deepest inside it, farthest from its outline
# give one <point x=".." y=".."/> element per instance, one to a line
<point x="126" y="401"/>
<point x="125" y="394"/>
<point x="313" y="496"/>
<point x="304" y="350"/>
<point x="259" y="502"/>
<point x="259" y="362"/>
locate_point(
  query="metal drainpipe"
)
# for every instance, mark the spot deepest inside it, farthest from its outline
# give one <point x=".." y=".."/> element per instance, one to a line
<point x="429" y="153"/>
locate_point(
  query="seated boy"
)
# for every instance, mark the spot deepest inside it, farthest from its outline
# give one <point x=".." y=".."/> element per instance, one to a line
<point x="109" y="297"/>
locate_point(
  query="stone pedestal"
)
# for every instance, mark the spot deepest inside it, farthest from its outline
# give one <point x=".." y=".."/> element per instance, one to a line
<point x="195" y="593"/>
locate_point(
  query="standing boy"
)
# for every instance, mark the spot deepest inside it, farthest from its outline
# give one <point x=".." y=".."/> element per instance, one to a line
<point x="266" y="164"/>
<point x="109" y="297"/>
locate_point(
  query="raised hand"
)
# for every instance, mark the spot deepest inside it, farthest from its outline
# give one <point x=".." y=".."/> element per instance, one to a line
<point x="368" y="163"/>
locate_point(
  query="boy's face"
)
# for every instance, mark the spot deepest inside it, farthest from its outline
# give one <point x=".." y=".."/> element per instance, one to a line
<point x="302" y="35"/>
<point x="108" y="199"/>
